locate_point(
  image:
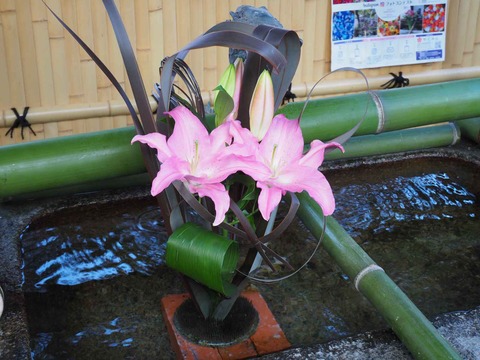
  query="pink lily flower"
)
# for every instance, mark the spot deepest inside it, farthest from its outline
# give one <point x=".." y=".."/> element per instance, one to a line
<point x="281" y="151"/>
<point x="199" y="159"/>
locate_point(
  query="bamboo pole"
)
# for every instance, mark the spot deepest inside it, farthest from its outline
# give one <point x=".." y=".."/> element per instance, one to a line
<point x="388" y="110"/>
<point x="470" y="128"/>
<point x="411" y="326"/>
<point x="398" y="141"/>
<point x="60" y="113"/>
<point x="109" y="160"/>
<point x="55" y="161"/>
<point x="356" y="84"/>
<point x="70" y="160"/>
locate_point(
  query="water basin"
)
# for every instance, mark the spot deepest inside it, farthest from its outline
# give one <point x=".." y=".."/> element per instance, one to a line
<point x="94" y="273"/>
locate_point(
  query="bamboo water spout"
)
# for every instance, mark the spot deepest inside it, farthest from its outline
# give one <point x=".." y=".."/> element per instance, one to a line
<point x="410" y="325"/>
<point x="470" y="128"/>
<point x="67" y="161"/>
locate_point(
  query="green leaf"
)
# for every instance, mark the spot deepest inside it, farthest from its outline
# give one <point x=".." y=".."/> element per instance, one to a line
<point x="249" y="194"/>
<point x="223" y="105"/>
<point x="204" y="256"/>
<point x="249" y="191"/>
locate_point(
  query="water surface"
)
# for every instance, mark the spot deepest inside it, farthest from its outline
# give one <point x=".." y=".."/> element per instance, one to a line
<point x="94" y="275"/>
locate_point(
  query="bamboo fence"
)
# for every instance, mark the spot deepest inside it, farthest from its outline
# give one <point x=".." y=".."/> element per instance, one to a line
<point x="41" y="66"/>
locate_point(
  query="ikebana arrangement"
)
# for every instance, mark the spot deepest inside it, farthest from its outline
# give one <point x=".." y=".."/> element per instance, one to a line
<point x="220" y="177"/>
<point x="231" y="168"/>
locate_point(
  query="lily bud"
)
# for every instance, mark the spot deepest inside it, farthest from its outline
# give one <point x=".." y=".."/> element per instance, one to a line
<point x="227" y="94"/>
<point x="239" y="68"/>
<point x="262" y="106"/>
<point x="227" y="81"/>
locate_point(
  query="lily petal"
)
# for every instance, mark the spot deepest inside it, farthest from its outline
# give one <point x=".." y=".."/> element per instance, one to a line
<point x="244" y="143"/>
<point x="169" y="172"/>
<point x="281" y="152"/>
<point x="220" y="137"/>
<point x="189" y="134"/>
<point x="239" y="70"/>
<point x="155" y="141"/>
<point x="268" y="199"/>
<point x="283" y="143"/>
<point x="315" y="156"/>
<point x="219" y="196"/>
<point x="216" y="169"/>
<point x="299" y="178"/>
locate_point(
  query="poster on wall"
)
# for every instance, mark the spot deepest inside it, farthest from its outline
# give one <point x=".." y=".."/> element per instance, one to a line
<point x="376" y="33"/>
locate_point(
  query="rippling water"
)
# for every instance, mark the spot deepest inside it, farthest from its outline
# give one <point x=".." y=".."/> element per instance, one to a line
<point x="94" y="275"/>
<point x="94" y="243"/>
<point x="387" y="205"/>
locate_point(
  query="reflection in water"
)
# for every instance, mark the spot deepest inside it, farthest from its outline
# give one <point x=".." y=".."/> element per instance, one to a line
<point x="387" y="205"/>
<point x="82" y="304"/>
<point x="100" y="246"/>
<point x="104" y="331"/>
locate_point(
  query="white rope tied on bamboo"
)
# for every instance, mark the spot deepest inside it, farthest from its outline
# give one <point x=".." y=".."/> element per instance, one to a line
<point x="1" y="301"/>
<point x="367" y="270"/>
<point x="380" y="111"/>
<point x="456" y="133"/>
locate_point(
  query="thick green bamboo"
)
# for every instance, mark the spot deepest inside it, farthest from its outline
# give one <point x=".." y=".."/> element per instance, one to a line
<point x="410" y="325"/>
<point x="101" y="160"/>
<point x="98" y="156"/>
<point x="470" y="128"/>
<point x="66" y="161"/>
<point x="398" y="141"/>
<point x="327" y="118"/>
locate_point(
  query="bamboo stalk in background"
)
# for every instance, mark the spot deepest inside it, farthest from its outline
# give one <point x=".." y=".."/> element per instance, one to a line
<point x="72" y="112"/>
<point x="339" y="85"/>
<point x="388" y="110"/>
<point x="405" y="319"/>
<point x="470" y="128"/>
<point x="398" y="141"/>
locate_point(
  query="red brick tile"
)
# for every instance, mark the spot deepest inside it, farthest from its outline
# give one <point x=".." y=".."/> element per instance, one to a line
<point x="242" y="350"/>
<point x="268" y="337"/>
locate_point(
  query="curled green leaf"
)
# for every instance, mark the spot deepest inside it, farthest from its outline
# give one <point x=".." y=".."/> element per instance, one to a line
<point x="204" y="256"/>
